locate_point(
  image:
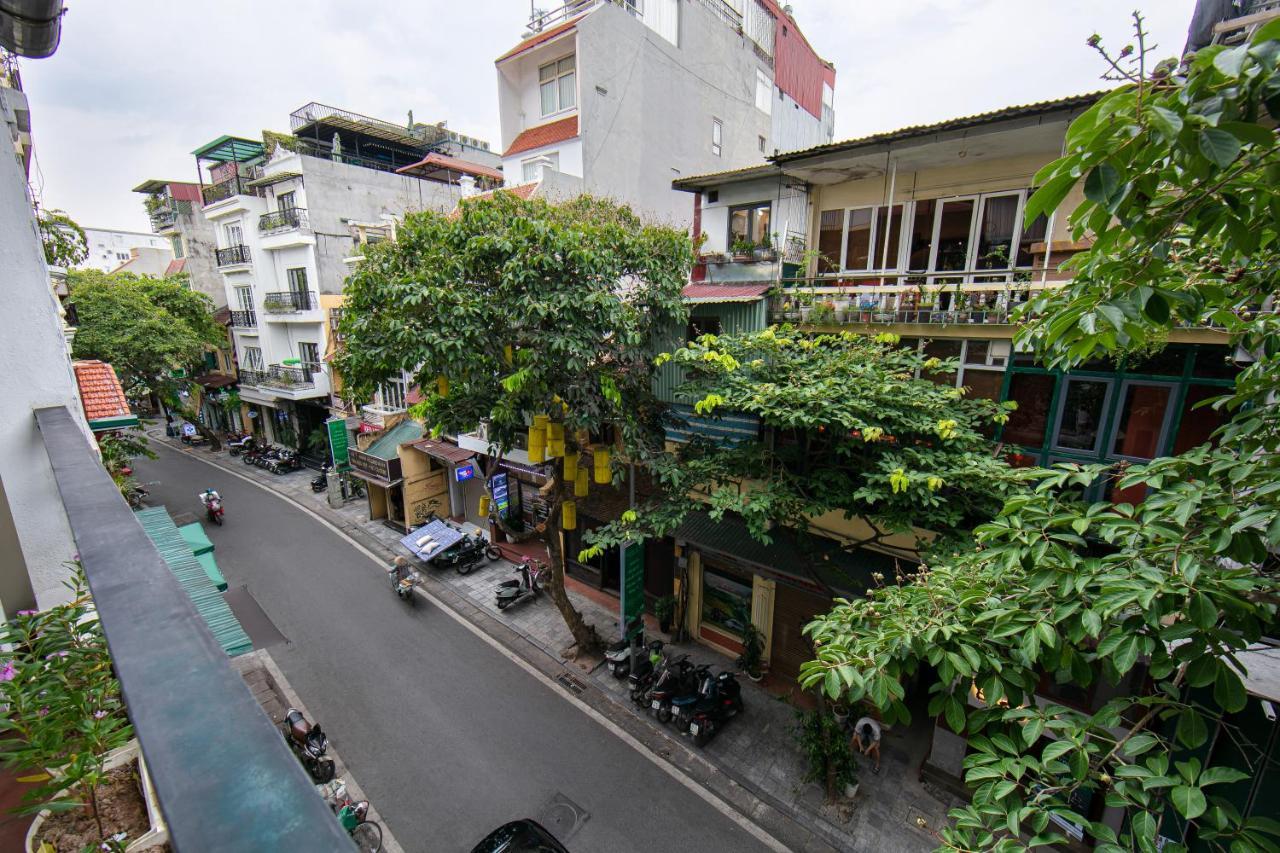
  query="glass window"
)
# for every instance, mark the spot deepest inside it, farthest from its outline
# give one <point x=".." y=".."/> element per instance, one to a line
<point x="235" y="237"/>
<point x="286" y="201"/>
<point x="1167" y="362"/>
<point x="393" y="393"/>
<point x="1197" y="425"/>
<point x="297" y="279"/>
<point x="955" y="222"/>
<point x="1031" y="235"/>
<point x="1033" y="392"/>
<point x="699" y="326"/>
<point x="717" y="136"/>
<point x="921" y="235"/>
<point x="764" y="92"/>
<point x="726" y="600"/>
<point x="995" y="234"/>
<point x="1214" y="363"/>
<point x="244" y="298"/>
<point x="1144" y="412"/>
<point x="830" y="224"/>
<point x="943" y="349"/>
<point x="888" y="220"/>
<point x="857" y="253"/>
<point x="1080" y="422"/>
<point x="253" y="358"/>
<point x="983" y="383"/>
<point x="749" y="224"/>
<point x="558" y="85"/>
<point x="176" y="241"/>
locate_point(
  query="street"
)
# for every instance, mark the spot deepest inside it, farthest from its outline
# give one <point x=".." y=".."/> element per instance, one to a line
<point x="447" y="736"/>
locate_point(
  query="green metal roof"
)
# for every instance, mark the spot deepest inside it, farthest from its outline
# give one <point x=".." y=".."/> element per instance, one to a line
<point x="196" y="537"/>
<point x="805" y="558"/>
<point x="226" y="149"/>
<point x="387" y="443"/>
<point x="210" y="566"/>
<point x="204" y="594"/>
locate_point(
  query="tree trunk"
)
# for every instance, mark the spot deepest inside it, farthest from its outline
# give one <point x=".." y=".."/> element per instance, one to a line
<point x="585" y="638"/>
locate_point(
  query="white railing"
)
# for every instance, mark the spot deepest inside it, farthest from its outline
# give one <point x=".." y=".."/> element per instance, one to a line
<point x="826" y="301"/>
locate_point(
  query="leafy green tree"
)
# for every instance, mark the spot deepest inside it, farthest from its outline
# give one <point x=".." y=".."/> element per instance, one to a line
<point x="510" y="309"/>
<point x="154" y="331"/>
<point x="65" y="244"/>
<point x="853" y="431"/>
<point x="1180" y="172"/>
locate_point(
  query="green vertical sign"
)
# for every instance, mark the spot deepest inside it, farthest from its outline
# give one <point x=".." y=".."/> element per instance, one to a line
<point x="338" y="442"/>
<point x="632" y="570"/>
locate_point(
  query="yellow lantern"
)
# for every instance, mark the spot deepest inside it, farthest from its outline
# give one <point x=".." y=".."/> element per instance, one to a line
<point x="442" y="386"/>
<point x="571" y="466"/>
<point x="484" y="506"/>
<point x="555" y="431"/>
<point x="541" y="421"/>
<point x="537" y="444"/>
<point x="603" y="475"/>
<point x="508" y="355"/>
<point x="569" y="515"/>
<point x="580" y="485"/>
<point x="555" y="449"/>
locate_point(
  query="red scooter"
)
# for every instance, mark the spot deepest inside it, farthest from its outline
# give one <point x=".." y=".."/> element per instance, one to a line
<point x="212" y="506"/>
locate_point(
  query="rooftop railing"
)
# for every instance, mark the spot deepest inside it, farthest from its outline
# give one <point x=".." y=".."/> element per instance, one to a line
<point x="223" y="775"/>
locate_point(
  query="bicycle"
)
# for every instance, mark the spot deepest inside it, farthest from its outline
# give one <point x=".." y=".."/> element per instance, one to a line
<point x="352" y="816"/>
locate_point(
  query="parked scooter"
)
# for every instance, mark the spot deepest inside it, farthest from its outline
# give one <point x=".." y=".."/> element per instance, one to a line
<point x="309" y="743"/>
<point x="683" y="705"/>
<point x="240" y="444"/>
<point x="321" y="483"/>
<point x="513" y="592"/>
<point x="619" y="654"/>
<point x="465" y="554"/>
<point x="678" y="678"/>
<point x="212" y="506"/>
<point x="721" y="700"/>
<point x="643" y="676"/>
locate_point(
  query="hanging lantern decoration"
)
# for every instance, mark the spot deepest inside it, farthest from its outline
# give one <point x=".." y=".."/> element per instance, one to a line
<point x="581" y="484"/>
<point x="570" y="466"/>
<point x="442" y="386"/>
<point x="508" y="355"/>
<point x="603" y="475"/>
<point x="484" y="506"/>
<point x="537" y="444"/>
<point x="569" y="515"/>
<point x="555" y="440"/>
<point x="541" y="421"/>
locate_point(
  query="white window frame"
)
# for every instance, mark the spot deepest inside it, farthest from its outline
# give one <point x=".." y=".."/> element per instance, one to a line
<point x="876" y="255"/>
<point x="234" y="234"/>
<point x="527" y="177"/>
<point x="398" y="392"/>
<point x="764" y="92"/>
<point x="556" y="76"/>
<point x="717" y="137"/>
<point x="253" y="358"/>
<point x="244" y="297"/>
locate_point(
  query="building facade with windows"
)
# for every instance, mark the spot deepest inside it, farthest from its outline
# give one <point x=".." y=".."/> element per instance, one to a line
<point x="109" y="247"/>
<point x="174" y="208"/>
<point x="628" y="97"/>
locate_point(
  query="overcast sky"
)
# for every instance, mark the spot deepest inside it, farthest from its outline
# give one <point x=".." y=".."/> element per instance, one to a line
<point x="137" y="85"/>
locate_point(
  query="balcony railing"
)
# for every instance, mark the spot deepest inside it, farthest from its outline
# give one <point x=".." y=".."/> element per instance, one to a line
<point x="232" y="255"/>
<point x="222" y="773"/>
<point x="824" y="302"/>
<point x="253" y="377"/>
<point x="223" y="190"/>
<point x="282" y="220"/>
<point x="289" y="376"/>
<point x="722" y="10"/>
<point x="163" y="217"/>
<point x="244" y="319"/>
<point x="289" y="301"/>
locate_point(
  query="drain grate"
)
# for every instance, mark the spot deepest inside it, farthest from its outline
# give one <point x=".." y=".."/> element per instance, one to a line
<point x="563" y="817"/>
<point x="573" y="685"/>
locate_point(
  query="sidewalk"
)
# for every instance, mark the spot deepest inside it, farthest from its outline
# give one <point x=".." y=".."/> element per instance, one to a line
<point x="753" y="765"/>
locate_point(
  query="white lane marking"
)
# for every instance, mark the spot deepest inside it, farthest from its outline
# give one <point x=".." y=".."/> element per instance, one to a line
<point x="670" y="769"/>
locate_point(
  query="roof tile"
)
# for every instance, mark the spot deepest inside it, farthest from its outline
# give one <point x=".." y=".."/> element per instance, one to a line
<point x="100" y="392"/>
<point x="544" y="134"/>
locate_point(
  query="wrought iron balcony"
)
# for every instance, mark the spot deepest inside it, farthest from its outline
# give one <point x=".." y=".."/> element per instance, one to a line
<point x="233" y="255"/>
<point x="244" y="319"/>
<point x="289" y="301"/>
<point x="288" y="376"/>
<point x="253" y="377"/>
<point x="163" y="217"/>
<point x="234" y="185"/>
<point x="282" y="220"/>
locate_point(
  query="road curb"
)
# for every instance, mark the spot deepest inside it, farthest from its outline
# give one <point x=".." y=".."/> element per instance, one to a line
<point x="774" y="818"/>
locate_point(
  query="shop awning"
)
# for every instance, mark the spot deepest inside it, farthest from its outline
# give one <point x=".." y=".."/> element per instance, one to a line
<point x="214" y="380"/>
<point x="808" y="562"/>
<point x="377" y="481"/>
<point x="430" y="539"/>
<point x="450" y="454"/>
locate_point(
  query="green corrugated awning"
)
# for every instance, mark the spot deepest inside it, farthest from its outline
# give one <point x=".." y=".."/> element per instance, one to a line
<point x="278" y="177"/>
<point x="196" y="537"/>
<point x="108" y="424"/>
<point x="226" y="149"/>
<point x="386" y="444"/>
<point x="204" y="594"/>
<point x="210" y="566"/>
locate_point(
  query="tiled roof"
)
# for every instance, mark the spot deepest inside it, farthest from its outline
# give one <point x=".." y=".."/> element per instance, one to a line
<point x="540" y="38"/>
<point x="522" y="191"/>
<point x="724" y="292"/>
<point x="544" y="134"/>
<point x="434" y="161"/>
<point x="175" y="266"/>
<point x="100" y="391"/>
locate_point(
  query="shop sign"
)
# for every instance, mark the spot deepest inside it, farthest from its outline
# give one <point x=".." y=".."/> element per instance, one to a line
<point x="337" y="428"/>
<point x="464" y="472"/>
<point x="501" y="499"/>
<point x="632" y="570"/>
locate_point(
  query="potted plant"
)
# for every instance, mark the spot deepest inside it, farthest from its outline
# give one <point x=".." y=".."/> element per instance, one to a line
<point x="751" y="659"/>
<point x="763" y="251"/>
<point x="829" y="759"/>
<point x="824" y="313"/>
<point x="841" y="305"/>
<point x="665" y="609"/>
<point x="742" y="249"/>
<point x="69" y="734"/>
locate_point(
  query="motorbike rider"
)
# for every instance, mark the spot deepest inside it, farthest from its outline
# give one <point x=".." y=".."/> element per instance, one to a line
<point x="208" y="496"/>
<point x="399" y="569"/>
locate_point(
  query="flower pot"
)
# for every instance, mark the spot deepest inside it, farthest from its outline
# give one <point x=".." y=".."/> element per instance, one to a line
<point x="805" y="313"/>
<point x="755" y="677"/>
<point x="850" y="791"/>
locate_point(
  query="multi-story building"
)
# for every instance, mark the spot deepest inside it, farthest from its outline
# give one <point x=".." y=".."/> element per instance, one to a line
<point x="109" y="247"/>
<point x="630" y="96"/>
<point x="289" y="215"/>
<point x="174" y="208"/>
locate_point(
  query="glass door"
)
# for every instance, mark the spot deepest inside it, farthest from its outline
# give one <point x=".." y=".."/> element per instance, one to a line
<point x="1142" y="420"/>
<point x="1080" y="417"/>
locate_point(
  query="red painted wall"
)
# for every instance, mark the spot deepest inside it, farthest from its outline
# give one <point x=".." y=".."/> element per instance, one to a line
<point x="797" y="68"/>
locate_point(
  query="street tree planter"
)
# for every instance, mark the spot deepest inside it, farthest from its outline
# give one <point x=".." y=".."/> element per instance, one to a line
<point x="158" y="831"/>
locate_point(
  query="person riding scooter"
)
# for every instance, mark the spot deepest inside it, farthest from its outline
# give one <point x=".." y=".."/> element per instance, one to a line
<point x="403" y="578"/>
<point x="212" y="502"/>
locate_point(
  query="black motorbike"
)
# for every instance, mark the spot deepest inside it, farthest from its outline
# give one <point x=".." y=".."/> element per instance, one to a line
<point x="643" y="678"/>
<point x="513" y="592"/>
<point x="321" y="483"/>
<point x="678" y="678"/>
<point x="683" y="704"/>
<point x="721" y="700"/>
<point x="240" y="444"/>
<point x="465" y="554"/>
<point x="309" y="743"/>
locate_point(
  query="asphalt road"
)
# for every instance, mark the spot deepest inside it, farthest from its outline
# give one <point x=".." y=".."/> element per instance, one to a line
<point x="448" y="737"/>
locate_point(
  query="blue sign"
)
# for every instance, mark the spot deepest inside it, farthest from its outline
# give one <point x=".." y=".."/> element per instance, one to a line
<point x="498" y="485"/>
<point x="464" y="472"/>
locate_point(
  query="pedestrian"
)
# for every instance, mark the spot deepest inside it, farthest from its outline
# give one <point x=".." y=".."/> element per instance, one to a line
<point x="866" y="739"/>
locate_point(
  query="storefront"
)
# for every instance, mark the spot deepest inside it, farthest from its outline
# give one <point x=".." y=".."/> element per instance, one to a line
<point x="380" y="465"/>
<point x="437" y="487"/>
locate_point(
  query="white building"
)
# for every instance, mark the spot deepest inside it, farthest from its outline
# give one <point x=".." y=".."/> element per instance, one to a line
<point x="109" y="248"/>
<point x="288" y="221"/>
<point x="630" y="101"/>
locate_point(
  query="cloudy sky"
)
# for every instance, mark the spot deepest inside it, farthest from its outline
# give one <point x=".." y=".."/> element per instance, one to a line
<point x="138" y="84"/>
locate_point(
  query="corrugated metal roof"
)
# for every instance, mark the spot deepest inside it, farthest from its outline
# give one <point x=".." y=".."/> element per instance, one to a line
<point x="693" y="183"/>
<point x="444" y="450"/>
<point x="208" y="601"/>
<point x="386" y="444"/>
<point x="1002" y="114"/>
<point x="278" y="177"/>
<point x="724" y="292"/>
<point x="789" y="555"/>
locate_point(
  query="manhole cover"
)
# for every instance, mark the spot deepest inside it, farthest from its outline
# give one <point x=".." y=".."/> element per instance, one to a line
<point x="562" y="817"/>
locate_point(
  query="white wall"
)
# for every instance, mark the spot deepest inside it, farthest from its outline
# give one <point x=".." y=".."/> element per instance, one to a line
<point x="107" y="245"/>
<point x="519" y="98"/>
<point x="569" y="151"/>
<point x="37" y="374"/>
<point x="789" y="212"/>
